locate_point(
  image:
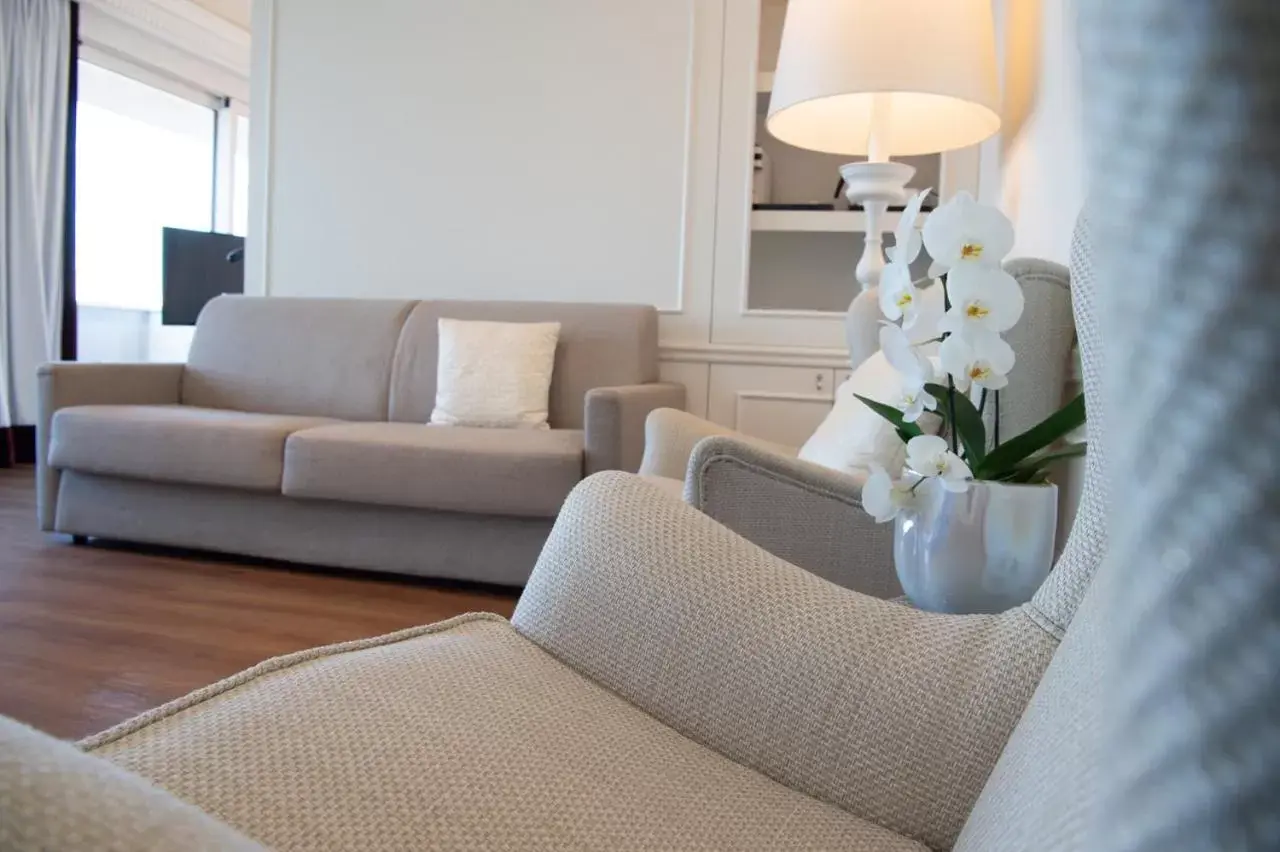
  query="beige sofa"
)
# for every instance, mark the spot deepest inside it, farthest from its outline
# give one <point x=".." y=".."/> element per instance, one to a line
<point x="296" y="431"/>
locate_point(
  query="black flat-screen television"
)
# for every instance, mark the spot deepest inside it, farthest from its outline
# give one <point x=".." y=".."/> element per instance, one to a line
<point x="198" y="265"/>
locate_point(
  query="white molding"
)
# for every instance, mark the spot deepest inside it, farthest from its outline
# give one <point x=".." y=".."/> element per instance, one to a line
<point x="792" y="313"/>
<point x="223" y="168"/>
<point x="257" y="244"/>
<point x="691" y="313"/>
<point x="744" y="396"/>
<point x="118" y="62"/>
<point x="783" y="396"/>
<point x="186" y="26"/>
<point x="819" y="221"/>
<point x="753" y="355"/>
<point x="176" y="40"/>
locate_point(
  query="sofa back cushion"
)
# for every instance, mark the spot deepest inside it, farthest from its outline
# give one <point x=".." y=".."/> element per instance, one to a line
<point x="319" y="357"/>
<point x="600" y="346"/>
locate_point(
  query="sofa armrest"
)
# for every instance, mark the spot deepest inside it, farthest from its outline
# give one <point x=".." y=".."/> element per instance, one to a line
<point x="63" y="384"/>
<point x="893" y="714"/>
<point x="671" y="435"/>
<point x="615" y="417"/>
<point x="807" y="514"/>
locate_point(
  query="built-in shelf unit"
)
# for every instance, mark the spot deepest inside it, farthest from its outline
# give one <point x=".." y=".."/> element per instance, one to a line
<point x="782" y="277"/>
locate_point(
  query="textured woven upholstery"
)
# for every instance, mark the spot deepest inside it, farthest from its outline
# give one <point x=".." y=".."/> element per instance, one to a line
<point x="599" y="346"/>
<point x="53" y="797"/>
<point x="175" y="443"/>
<point x="1159" y="714"/>
<point x="801" y="512"/>
<point x="894" y="714"/>
<point x="518" y="472"/>
<point x="461" y="735"/>
<point x="1006" y="817"/>
<point x="1193" y="626"/>
<point x="1086" y="546"/>
<point x="1154" y="726"/>
<point x="813" y="517"/>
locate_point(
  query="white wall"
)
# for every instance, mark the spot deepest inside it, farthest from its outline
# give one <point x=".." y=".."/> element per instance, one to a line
<point x="128" y="335"/>
<point x="488" y="149"/>
<point x="1036" y="169"/>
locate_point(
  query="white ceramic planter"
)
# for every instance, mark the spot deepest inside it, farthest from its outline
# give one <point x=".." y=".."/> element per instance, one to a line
<point x="984" y="550"/>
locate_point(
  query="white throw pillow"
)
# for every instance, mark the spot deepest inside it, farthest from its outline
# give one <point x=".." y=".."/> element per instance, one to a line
<point x="853" y="436"/>
<point x="494" y="374"/>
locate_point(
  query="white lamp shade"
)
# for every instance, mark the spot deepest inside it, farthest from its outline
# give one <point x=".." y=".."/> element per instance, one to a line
<point x="927" y="66"/>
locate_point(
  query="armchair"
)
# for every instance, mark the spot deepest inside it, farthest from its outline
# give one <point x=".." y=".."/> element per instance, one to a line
<point x="812" y="516"/>
<point x="665" y="684"/>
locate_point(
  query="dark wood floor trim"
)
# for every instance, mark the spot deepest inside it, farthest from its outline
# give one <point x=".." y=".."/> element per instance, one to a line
<point x="17" y="445"/>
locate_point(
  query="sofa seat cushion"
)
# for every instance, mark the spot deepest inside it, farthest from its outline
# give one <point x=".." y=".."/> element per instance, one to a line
<point x="175" y="443"/>
<point x="460" y="735"/>
<point x="517" y="472"/>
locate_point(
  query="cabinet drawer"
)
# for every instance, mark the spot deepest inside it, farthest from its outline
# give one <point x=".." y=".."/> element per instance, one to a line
<point x="779" y="404"/>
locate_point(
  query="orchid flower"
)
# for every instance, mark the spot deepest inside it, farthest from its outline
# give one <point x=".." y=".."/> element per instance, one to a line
<point x="982" y="361"/>
<point x="984" y="300"/>
<point x="907" y="239"/>
<point x="963" y="232"/>
<point x="883" y="498"/>
<point x="898" y="295"/>
<point x="928" y="456"/>
<point x="915" y="369"/>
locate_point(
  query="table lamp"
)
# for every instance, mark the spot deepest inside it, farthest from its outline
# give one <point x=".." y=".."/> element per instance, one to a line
<point x="884" y="77"/>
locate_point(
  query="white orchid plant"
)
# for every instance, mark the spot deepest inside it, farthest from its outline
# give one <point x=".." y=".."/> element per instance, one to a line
<point x="967" y="242"/>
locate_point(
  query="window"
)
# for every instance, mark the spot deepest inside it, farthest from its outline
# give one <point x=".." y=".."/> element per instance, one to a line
<point x="144" y="161"/>
<point x="150" y="153"/>
<point x="240" y="178"/>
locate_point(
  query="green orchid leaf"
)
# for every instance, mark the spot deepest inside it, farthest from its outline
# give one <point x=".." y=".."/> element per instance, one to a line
<point x="1011" y="453"/>
<point x="1070" y="451"/>
<point x="894" y="416"/>
<point x="1035" y="469"/>
<point x="968" y="426"/>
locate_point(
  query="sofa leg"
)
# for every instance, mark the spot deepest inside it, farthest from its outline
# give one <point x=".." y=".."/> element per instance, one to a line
<point x="80" y="539"/>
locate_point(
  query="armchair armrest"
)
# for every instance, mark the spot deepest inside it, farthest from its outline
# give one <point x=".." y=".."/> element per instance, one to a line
<point x="670" y="436"/>
<point x="64" y="384"/>
<point x="893" y="714"/>
<point x="807" y="514"/>
<point x="614" y="419"/>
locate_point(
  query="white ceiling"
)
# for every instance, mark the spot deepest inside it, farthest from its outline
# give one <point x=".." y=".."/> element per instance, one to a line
<point x="235" y="11"/>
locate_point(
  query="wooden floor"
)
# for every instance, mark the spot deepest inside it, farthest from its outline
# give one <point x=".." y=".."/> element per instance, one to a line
<point x="91" y="635"/>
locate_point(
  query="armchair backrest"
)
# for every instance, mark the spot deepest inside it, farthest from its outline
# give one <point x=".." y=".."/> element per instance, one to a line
<point x="1155" y="725"/>
<point x="1045" y="746"/>
<point x="1042" y="340"/>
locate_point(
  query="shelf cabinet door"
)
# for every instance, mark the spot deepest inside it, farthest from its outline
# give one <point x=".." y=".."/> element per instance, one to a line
<point x="779" y="404"/>
<point x="785" y="277"/>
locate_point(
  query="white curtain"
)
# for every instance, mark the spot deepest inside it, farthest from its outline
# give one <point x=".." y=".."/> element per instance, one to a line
<point x="35" y="56"/>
